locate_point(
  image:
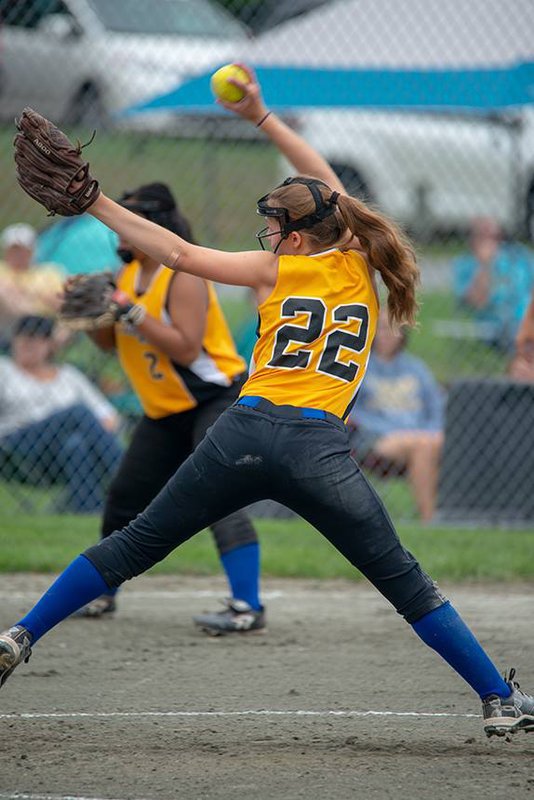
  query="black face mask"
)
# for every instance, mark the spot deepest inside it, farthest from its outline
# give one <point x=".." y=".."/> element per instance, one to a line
<point x="125" y="255"/>
<point x="265" y="234"/>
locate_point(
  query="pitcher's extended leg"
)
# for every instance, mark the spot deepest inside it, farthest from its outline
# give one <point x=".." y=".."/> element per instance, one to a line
<point x="341" y="504"/>
<point x="204" y="489"/>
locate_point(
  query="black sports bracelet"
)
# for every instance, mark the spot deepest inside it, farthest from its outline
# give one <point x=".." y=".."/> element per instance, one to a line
<point x="262" y="120"/>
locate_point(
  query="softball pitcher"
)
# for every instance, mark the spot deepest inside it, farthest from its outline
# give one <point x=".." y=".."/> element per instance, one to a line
<point x="284" y="438"/>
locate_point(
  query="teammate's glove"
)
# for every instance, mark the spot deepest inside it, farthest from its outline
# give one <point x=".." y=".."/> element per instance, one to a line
<point x="93" y="301"/>
<point x="50" y="168"/>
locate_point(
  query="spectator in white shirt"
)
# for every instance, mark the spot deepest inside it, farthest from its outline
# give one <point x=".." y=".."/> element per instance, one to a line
<point x="55" y="426"/>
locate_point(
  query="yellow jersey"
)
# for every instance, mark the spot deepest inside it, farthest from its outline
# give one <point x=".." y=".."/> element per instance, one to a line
<point x="164" y="387"/>
<point x="315" y="332"/>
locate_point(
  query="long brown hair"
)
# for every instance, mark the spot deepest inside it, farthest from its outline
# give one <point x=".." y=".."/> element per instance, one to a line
<point x="385" y="246"/>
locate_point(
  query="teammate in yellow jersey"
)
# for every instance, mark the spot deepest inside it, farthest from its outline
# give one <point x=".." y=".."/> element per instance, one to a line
<point x="285" y="438"/>
<point x="174" y="345"/>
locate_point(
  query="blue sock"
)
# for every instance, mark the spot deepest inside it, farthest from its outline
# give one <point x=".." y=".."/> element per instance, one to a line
<point x="80" y="583"/>
<point x="445" y="631"/>
<point x="242" y="566"/>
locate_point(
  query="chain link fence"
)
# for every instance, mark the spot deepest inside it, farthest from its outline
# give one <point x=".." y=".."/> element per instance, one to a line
<point x="445" y="429"/>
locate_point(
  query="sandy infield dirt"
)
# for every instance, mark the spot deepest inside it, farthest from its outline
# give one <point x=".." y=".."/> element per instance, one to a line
<point x="145" y="707"/>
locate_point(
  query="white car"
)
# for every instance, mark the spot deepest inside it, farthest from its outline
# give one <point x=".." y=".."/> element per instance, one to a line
<point x="431" y="172"/>
<point x="83" y="61"/>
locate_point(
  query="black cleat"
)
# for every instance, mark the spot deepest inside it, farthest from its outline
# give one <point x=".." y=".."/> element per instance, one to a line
<point x="506" y="715"/>
<point x="237" y="617"/>
<point x="15" y="646"/>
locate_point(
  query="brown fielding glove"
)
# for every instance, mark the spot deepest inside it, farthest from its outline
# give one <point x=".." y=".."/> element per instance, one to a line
<point x="50" y="168"/>
<point x="88" y="302"/>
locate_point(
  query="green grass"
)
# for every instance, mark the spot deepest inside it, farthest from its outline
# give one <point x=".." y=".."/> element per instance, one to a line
<point x="216" y="182"/>
<point x="291" y="548"/>
<point x="450" y="359"/>
<point x="17" y="498"/>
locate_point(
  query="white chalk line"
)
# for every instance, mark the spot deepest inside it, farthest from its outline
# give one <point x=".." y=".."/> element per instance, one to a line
<point x="19" y="796"/>
<point x="272" y="594"/>
<point x="192" y="594"/>
<point x="245" y="713"/>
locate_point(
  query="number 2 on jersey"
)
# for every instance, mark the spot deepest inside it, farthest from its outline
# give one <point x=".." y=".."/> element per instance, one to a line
<point x="153" y="366"/>
<point x="342" y="337"/>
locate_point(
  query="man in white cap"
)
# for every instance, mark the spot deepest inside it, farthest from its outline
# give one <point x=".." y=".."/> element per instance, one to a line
<point x="25" y="288"/>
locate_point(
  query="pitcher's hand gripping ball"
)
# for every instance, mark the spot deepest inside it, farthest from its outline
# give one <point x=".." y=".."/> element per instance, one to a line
<point x="224" y="90"/>
<point x="89" y="302"/>
<point x="50" y="168"/>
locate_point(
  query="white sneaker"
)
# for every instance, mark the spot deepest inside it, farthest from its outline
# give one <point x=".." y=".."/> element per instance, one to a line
<point x="506" y="715"/>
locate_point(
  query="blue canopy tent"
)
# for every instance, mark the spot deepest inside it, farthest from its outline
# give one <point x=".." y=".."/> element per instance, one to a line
<point x="419" y="55"/>
<point x="414" y="54"/>
<point x="475" y="90"/>
<point x="498" y="93"/>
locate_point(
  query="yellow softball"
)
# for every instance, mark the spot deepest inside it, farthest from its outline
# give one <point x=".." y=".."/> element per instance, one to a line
<point x="227" y="91"/>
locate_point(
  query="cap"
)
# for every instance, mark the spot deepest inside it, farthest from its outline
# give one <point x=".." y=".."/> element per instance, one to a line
<point x="33" y="325"/>
<point x="20" y="234"/>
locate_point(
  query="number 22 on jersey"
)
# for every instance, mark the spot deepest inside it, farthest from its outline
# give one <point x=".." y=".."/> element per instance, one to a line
<point x="348" y="330"/>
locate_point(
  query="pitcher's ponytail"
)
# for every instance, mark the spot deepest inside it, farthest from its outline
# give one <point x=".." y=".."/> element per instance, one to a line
<point x="384" y="245"/>
<point x="389" y="252"/>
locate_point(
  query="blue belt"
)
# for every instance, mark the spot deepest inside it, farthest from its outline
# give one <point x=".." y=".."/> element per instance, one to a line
<point x="261" y="404"/>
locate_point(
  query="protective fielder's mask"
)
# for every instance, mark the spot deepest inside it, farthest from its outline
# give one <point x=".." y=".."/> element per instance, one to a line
<point x="323" y="209"/>
<point x="154" y="202"/>
<point x="125" y="255"/>
<point x="156" y="209"/>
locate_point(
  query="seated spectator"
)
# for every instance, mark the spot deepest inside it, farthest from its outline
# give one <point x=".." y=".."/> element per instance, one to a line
<point x="79" y="244"/>
<point x="494" y="280"/>
<point x="24" y="287"/>
<point x="54" y="425"/>
<point x="521" y="368"/>
<point x="398" y="415"/>
<point x="524" y="340"/>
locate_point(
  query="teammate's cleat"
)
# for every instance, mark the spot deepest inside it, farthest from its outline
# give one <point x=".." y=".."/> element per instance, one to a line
<point x="15" y="646"/>
<point x="503" y="716"/>
<point x="237" y="617"/>
<point x="105" y="604"/>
